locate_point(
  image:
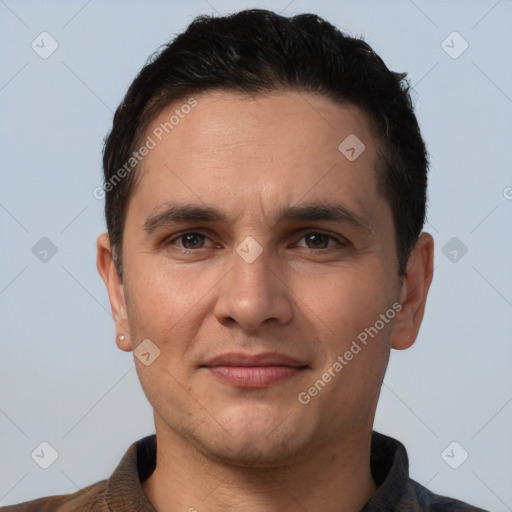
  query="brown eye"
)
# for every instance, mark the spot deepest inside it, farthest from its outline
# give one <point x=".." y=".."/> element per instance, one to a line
<point x="192" y="241"/>
<point x="188" y="241"/>
<point x="315" y="240"/>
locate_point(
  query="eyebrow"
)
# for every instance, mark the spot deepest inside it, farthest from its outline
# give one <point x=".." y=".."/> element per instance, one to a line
<point x="305" y="212"/>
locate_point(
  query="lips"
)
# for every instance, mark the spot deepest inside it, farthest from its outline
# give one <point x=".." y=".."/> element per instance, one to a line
<point x="253" y="371"/>
<point x="252" y="360"/>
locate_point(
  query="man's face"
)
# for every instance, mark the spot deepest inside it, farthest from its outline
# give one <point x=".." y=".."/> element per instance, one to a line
<point x="297" y="291"/>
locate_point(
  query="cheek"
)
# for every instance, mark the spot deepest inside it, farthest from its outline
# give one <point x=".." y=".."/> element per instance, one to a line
<point x="350" y="301"/>
<point x="162" y="301"/>
<point x="351" y="305"/>
<point x="164" y="308"/>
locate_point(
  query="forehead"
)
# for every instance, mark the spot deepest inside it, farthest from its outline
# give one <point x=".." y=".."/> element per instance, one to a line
<point x="222" y="119"/>
<point x="282" y="145"/>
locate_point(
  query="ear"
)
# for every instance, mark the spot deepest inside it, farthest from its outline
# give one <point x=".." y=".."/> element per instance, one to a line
<point x="413" y="294"/>
<point x="114" y="283"/>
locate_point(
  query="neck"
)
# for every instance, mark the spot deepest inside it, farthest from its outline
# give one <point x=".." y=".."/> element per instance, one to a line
<point x="335" y="478"/>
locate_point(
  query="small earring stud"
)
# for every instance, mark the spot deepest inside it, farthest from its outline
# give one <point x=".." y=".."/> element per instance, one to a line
<point x="121" y="337"/>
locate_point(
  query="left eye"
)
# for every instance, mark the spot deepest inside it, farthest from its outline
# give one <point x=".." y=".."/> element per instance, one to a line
<point x="319" y="240"/>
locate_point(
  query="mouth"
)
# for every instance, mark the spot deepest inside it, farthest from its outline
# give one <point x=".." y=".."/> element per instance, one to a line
<point x="254" y="376"/>
<point x="254" y="371"/>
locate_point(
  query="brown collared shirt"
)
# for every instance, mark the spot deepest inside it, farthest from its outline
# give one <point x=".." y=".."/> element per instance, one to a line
<point x="123" y="492"/>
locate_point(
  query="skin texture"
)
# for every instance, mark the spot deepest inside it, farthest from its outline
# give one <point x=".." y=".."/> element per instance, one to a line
<point x="222" y="447"/>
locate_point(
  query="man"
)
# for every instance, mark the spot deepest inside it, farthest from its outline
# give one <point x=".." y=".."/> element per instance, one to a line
<point x="265" y="183"/>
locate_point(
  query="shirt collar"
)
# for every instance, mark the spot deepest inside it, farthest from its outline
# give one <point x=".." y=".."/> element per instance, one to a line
<point x="389" y="467"/>
<point x="124" y="491"/>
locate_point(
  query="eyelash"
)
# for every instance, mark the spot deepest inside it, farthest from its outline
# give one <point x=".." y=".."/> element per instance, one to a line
<point x="341" y="243"/>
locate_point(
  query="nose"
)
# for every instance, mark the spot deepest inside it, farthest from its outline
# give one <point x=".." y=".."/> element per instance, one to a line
<point x="253" y="293"/>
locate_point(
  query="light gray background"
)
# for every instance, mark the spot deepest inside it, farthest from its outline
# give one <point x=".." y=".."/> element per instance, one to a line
<point x="62" y="379"/>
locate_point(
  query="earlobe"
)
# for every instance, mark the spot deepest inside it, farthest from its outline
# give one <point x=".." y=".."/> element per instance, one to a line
<point x="114" y="284"/>
<point x="413" y="295"/>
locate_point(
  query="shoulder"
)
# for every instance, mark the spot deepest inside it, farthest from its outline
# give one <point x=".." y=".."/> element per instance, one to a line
<point x="90" y="498"/>
<point x="396" y="490"/>
<point x="431" y="502"/>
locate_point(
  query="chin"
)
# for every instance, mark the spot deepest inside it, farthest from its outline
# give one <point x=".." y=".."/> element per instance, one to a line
<point x="259" y="437"/>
